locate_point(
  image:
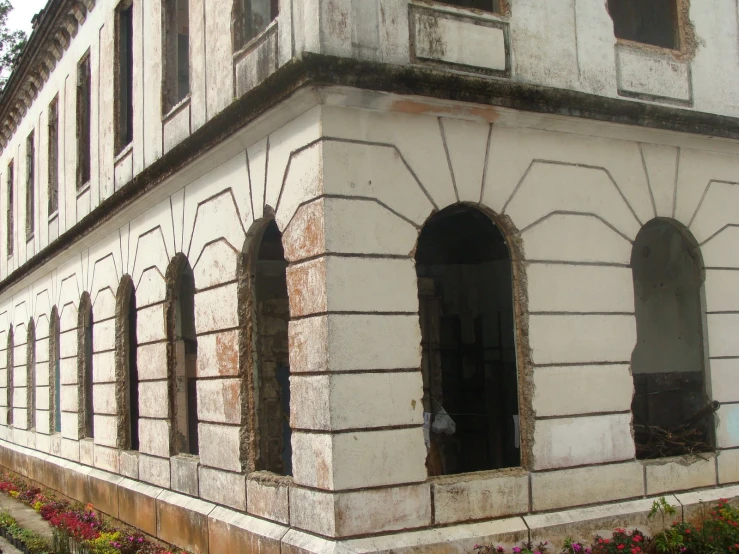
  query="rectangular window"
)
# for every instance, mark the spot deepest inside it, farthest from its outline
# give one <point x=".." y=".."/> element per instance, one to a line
<point x="83" y="121"/>
<point x="647" y="21"/>
<point x="485" y="5"/>
<point x="124" y="76"/>
<point x="30" y="186"/>
<point x="52" y="155"/>
<point x="252" y="18"/>
<point x="9" y="219"/>
<point x="177" y="52"/>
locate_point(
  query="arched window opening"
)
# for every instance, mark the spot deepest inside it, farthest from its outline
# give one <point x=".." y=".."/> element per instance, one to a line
<point x="55" y="389"/>
<point x="31" y="376"/>
<point x="84" y="361"/>
<point x="271" y="360"/>
<point x="251" y="18"/>
<point x="668" y="360"/>
<point x="184" y="353"/>
<point x="128" y="374"/>
<point x="470" y="377"/>
<point x="11" y="342"/>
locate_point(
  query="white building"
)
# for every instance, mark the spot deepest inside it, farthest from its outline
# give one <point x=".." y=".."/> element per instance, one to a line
<point x="251" y="246"/>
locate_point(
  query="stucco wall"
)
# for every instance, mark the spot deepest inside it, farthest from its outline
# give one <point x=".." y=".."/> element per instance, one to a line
<point x="350" y="190"/>
<point x="566" y="44"/>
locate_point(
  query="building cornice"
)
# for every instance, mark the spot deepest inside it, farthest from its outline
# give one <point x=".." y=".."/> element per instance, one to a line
<point x="54" y="31"/>
<point x="326" y="71"/>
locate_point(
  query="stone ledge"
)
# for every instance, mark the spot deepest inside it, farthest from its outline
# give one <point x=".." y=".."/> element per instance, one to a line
<point x="584" y="523"/>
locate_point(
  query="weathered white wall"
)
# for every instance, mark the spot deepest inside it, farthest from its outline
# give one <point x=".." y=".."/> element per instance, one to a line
<point x="565" y="44"/>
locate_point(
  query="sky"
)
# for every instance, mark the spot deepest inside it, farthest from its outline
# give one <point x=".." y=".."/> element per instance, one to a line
<point x="23" y="11"/>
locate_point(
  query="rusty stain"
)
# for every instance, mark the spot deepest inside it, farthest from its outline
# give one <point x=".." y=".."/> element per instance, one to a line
<point x="305" y="236"/>
<point x="227" y="354"/>
<point x="415" y="107"/>
<point x="306" y="288"/>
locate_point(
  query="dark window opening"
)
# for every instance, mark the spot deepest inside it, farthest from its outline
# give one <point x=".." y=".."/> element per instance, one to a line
<point x="470" y="378"/>
<point x="133" y="374"/>
<point x="53" y="153"/>
<point x="84" y="340"/>
<point x="485" y="5"/>
<point x="184" y="346"/>
<point x="124" y="77"/>
<point x="272" y="313"/>
<point x="251" y="18"/>
<point x="83" y="121"/>
<point x="11" y="210"/>
<point x="652" y="22"/>
<point x="126" y="316"/>
<point x="30" y="186"/>
<point x="10" y="387"/>
<point x="667" y="363"/>
<point x="55" y="390"/>
<point x="31" y="377"/>
<point x="177" y="52"/>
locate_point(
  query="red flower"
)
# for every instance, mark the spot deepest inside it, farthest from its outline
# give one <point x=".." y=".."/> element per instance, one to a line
<point x="621" y="547"/>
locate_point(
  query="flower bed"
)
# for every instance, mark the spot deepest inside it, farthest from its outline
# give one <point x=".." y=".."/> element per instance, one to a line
<point x="25" y="540"/>
<point x="76" y="528"/>
<point x="717" y="532"/>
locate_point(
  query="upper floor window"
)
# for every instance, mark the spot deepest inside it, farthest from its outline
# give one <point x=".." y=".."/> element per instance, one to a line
<point x="485" y="5"/>
<point x="83" y="121"/>
<point x="177" y="52"/>
<point x="652" y="22"/>
<point x="30" y="185"/>
<point x="252" y="17"/>
<point x="53" y="156"/>
<point x="124" y="75"/>
<point x="10" y="208"/>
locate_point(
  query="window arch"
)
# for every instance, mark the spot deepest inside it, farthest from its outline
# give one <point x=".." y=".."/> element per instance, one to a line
<point x="55" y="394"/>
<point x="182" y="355"/>
<point x="250" y="18"/>
<point x="127" y="374"/>
<point x="31" y="376"/>
<point x="668" y="361"/>
<point x="469" y="362"/>
<point x="11" y="342"/>
<point x="264" y="288"/>
<point x="84" y="367"/>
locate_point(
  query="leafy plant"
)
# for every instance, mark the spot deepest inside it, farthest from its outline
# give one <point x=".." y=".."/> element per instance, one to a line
<point x="525" y="548"/>
<point x="12" y="44"/>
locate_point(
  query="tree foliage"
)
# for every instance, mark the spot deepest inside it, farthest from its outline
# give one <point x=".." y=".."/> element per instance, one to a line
<point x="11" y="44"/>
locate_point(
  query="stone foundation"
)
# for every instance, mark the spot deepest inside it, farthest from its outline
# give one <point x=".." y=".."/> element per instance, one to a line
<point x="203" y="527"/>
